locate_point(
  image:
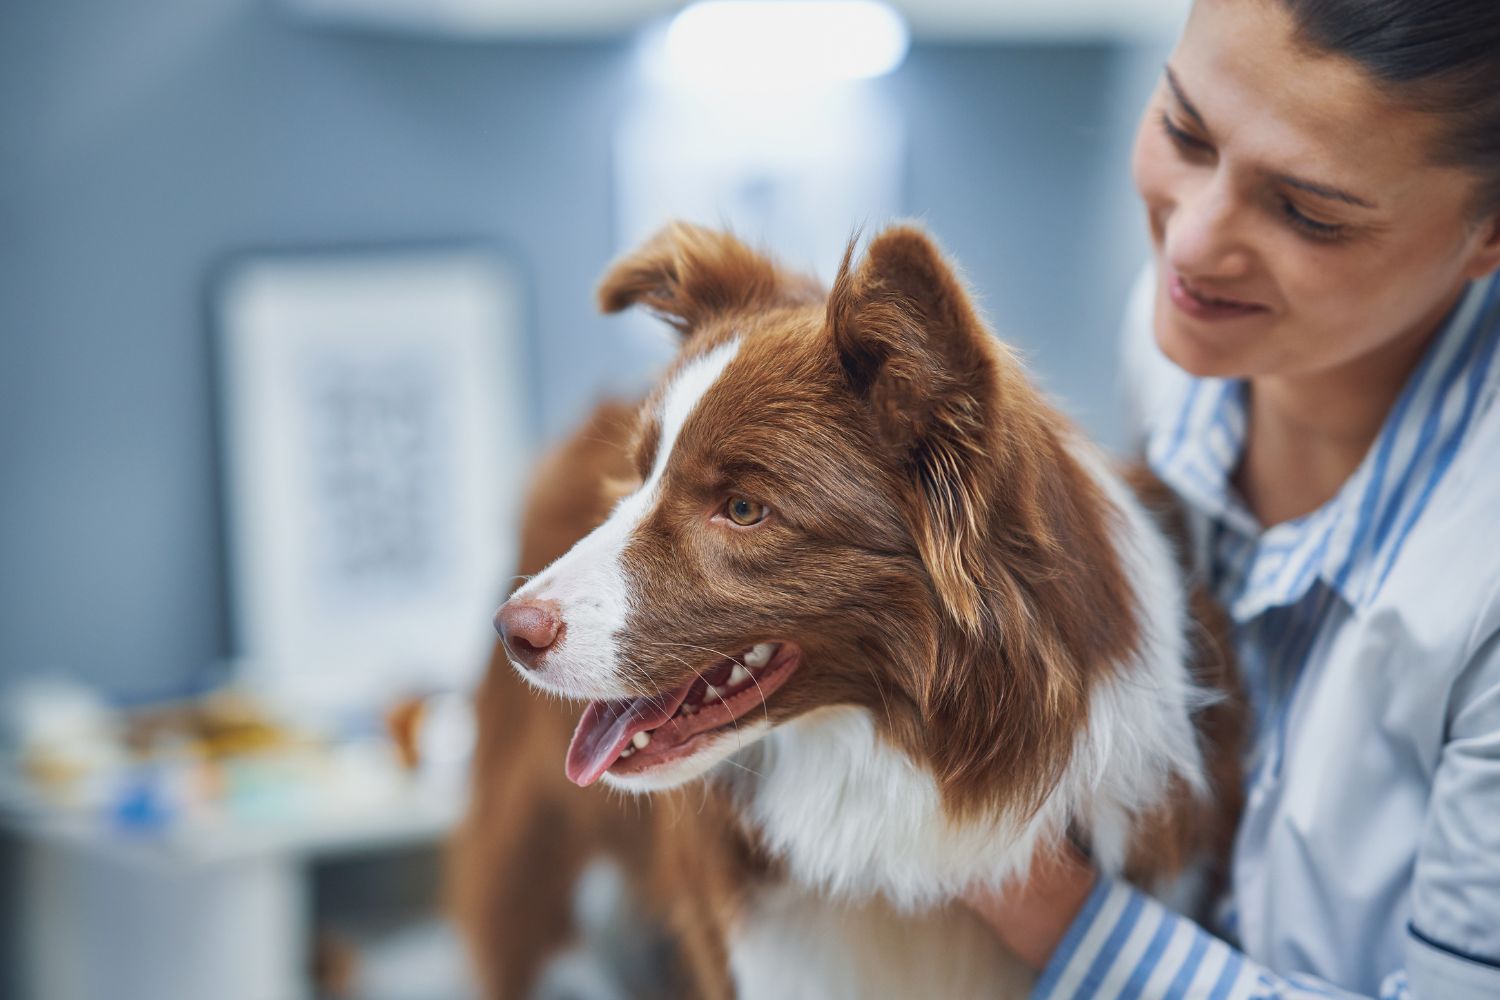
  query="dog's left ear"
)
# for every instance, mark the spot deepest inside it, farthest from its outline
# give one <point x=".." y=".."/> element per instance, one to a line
<point x="911" y="343"/>
<point x="687" y="274"/>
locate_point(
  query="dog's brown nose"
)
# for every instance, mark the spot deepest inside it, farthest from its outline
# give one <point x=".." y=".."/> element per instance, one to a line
<point x="528" y="629"/>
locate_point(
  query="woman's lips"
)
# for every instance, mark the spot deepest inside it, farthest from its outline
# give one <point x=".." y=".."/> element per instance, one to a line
<point x="1201" y="305"/>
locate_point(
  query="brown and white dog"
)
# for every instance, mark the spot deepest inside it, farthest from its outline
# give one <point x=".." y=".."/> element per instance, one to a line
<point x="888" y="619"/>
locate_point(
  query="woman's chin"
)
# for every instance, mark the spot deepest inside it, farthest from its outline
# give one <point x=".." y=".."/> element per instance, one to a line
<point x="1200" y="353"/>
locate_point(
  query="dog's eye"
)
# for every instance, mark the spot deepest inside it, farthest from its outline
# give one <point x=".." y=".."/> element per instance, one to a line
<point x="745" y="512"/>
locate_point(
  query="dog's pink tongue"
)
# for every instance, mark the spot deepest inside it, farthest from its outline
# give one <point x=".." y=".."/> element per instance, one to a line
<point x="605" y="729"/>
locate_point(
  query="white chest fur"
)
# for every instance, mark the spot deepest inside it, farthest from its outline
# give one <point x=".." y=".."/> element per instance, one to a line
<point x="851" y="815"/>
<point x="791" y="944"/>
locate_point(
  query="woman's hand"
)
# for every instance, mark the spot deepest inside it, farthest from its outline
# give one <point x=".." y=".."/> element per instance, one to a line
<point x="1031" y="917"/>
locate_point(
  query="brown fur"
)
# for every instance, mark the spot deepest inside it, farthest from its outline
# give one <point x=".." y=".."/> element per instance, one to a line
<point x="706" y="863"/>
<point x="1010" y="529"/>
<point x="686" y="275"/>
<point x="910" y="458"/>
<point x="529" y="832"/>
<point x="1167" y="840"/>
<point x="937" y="551"/>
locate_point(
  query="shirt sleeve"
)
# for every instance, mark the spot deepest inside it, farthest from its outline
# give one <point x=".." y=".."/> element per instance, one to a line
<point x="1124" y="944"/>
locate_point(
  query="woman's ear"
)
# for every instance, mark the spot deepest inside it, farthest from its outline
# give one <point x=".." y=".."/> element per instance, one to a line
<point x="1485" y="259"/>
<point x="686" y="274"/>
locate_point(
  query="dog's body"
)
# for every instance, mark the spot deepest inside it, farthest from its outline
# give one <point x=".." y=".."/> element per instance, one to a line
<point x="871" y="623"/>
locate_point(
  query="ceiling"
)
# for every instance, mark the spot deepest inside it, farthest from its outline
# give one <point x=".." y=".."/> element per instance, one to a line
<point x="962" y="19"/>
<point x="944" y="20"/>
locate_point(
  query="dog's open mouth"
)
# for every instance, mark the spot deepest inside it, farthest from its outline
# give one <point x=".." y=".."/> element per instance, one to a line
<point x="636" y="734"/>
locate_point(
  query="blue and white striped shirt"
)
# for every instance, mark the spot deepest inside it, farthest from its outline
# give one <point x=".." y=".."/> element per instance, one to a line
<point x="1368" y="859"/>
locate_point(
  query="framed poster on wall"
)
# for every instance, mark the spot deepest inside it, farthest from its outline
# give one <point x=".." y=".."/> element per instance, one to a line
<point x="375" y="448"/>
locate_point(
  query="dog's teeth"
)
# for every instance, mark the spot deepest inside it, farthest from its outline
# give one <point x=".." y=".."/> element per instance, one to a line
<point x="641" y="740"/>
<point x="626" y="752"/>
<point x="688" y="708"/>
<point x="710" y="693"/>
<point x="738" y="676"/>
<point x="760" y="655"/>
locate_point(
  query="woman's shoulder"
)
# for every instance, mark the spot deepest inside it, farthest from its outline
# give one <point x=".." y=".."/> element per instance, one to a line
<point x="1444" y="584"/>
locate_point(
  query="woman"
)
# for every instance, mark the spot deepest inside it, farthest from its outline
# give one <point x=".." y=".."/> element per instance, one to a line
<point x="1322" y="181"/>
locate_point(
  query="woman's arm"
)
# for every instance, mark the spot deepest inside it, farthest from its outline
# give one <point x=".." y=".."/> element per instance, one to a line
<point x="1032" y="918"/>
<point x="1094" y="937"/>
<point x="1125" y="944"/>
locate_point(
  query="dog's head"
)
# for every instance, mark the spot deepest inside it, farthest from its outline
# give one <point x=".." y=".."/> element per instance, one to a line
<point x="851" y="498"/>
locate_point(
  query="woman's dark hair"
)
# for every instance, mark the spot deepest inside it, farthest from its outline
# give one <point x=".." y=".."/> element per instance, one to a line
<point x="1440" y="56"/>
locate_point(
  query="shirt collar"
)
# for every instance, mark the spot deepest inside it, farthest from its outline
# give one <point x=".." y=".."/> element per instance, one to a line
<point x="1352" y="541"/>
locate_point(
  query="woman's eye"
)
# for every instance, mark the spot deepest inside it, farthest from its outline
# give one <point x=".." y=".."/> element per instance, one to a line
<point x="1181" y="138"/>
<point x="1326" y="232"/>
<point x="745" y="512"/>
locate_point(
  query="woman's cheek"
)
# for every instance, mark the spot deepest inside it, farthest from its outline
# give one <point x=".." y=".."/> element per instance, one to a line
<point x="1153" y="168"/>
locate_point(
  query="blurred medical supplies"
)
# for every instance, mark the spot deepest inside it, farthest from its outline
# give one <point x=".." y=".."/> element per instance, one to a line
<point x="185" y="842"/>
<point x="227" y="769"/>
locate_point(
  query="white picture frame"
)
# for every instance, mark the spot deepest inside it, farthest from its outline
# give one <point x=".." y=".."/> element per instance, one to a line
<point x="374" y="427"/>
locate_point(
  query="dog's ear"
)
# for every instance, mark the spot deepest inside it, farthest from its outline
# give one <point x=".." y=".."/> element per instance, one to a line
<point x="911" y="343"/>
<point x="687" y="274"/>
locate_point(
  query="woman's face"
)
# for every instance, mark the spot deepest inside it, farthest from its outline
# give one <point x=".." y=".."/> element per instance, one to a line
<point x="1298" y="221"/>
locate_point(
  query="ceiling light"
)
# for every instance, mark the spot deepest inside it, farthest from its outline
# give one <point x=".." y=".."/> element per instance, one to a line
<point x="774" y="43"/>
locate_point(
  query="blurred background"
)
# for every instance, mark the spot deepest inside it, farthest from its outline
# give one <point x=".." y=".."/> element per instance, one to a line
<point x="292" y="292"/>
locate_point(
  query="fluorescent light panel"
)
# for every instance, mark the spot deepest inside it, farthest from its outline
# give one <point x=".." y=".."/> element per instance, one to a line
<point x="740" y="43"/>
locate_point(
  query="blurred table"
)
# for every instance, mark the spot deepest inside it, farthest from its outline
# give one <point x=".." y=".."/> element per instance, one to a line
<point x="217" y="908"/>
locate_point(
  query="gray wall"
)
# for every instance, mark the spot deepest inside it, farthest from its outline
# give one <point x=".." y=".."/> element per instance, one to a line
<point x="140" y="144"/>
<point x="145" y="142"/>
<point x="1020" y="164"/>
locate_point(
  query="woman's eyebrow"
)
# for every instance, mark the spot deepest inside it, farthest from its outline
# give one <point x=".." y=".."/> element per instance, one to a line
<point x="1322" y="190"/>
<point x="1301" y="184"/>
<point x="1187" y="105"/>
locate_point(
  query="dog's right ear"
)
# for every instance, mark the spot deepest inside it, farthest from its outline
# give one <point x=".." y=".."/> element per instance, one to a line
<point x="686" y="274"/>
<point x="912" y="345"/>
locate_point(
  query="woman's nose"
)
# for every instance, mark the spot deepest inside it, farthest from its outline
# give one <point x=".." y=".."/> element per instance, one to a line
<point x="1205" y="235"/>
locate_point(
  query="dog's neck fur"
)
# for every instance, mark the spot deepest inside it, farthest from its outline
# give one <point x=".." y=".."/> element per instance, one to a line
<point x="849" y="812"/>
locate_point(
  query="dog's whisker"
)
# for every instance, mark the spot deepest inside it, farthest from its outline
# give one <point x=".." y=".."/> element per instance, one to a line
<point x="733" y="721"/>
<point x="764" y="706"/>
<point x="748" y="770"/>
<point x="643" y="677"/>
